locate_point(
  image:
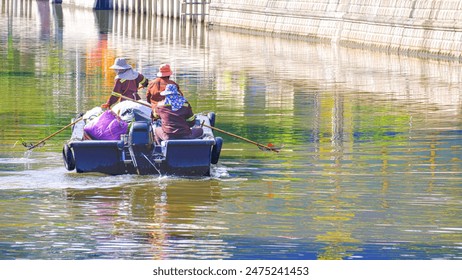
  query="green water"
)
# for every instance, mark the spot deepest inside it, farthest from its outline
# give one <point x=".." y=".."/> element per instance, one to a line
<point x="370" y="166"/>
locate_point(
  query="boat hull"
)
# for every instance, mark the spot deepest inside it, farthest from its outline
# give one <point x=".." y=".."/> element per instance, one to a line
<point x="137" y="153"/>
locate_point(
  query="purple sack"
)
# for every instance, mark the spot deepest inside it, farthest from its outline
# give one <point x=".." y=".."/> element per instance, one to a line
<point x="108" y="126"/>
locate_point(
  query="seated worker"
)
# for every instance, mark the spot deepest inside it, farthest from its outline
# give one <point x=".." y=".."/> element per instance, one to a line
<point x="158" y="85"/>
<point x="176" y="115"/>
<point x="126" y="83"/>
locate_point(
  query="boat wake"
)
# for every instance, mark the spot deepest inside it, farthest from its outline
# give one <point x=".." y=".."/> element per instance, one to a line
<point x="42" y="172"/>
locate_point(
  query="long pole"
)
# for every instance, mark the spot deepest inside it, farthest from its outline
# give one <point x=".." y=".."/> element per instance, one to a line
<point x="52" y="135"/>
<point x="268" y="148"/>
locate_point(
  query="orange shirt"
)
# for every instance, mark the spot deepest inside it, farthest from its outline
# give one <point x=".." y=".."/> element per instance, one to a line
<point x="155" y="87"/>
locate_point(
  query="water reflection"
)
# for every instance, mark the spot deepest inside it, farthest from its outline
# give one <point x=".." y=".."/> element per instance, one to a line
<point x="162" y="221"/>
<point x="371" y="164"/>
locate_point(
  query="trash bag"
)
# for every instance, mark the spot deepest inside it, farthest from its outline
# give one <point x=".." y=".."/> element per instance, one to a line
<point x="107" y="126"/>
<point x="93" y="113"/>
<point x="131" y="111"/>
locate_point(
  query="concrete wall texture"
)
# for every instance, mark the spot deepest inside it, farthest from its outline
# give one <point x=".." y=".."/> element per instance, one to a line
<point x="430" y="28"/>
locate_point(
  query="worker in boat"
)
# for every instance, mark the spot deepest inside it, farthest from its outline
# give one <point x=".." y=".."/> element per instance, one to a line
<point x="158" y="85"/>
<point x="127" y="82"/>
<point x="176" y="115"/>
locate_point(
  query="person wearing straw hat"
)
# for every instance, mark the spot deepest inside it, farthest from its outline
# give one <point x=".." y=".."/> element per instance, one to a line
<point x="127" y="82"/>
<point x="176" y="115"/>
<point x="158" y="85"/>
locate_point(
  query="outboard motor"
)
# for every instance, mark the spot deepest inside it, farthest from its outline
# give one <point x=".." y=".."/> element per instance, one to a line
<point x="141" y="146"/>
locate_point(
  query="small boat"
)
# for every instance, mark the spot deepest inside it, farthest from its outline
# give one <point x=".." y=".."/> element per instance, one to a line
<point x="137" y="152"/>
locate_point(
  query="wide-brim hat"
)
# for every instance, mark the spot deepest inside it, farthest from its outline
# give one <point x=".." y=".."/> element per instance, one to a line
<point x="170" y="89"/>
<point x="120" y="64"/>
<point x="164" y="71"/>
<point x="130" y="74"/>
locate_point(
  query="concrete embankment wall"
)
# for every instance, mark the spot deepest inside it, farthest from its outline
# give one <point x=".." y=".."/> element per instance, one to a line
<point x="185" y="9"/>
<point x="416" y="27"/>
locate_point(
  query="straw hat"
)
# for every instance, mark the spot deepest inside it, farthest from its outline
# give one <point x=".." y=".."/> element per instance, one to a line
<point x="120" y="64"/>
<point x="164" y="71"/>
